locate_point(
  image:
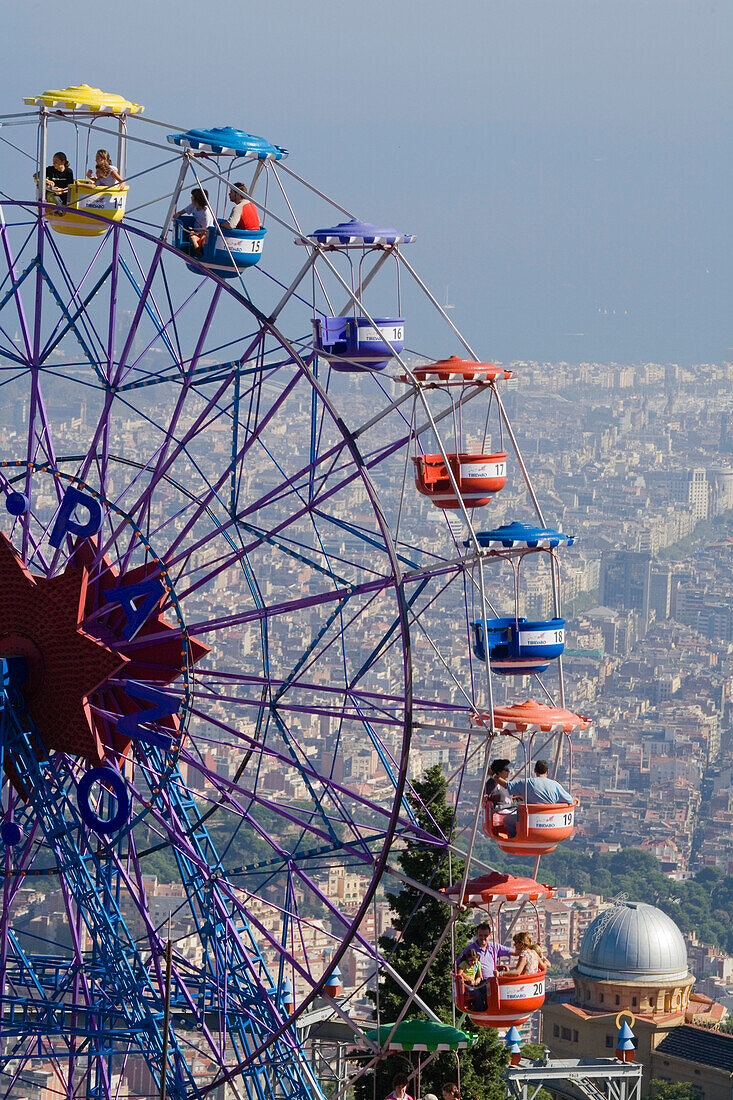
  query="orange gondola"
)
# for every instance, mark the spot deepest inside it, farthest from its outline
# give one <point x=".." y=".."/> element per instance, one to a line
<point x="540" y="827"/>
<point x="510" y="999"/>
<point x="478" y="477"/>
<point x="463" y="477"/>
<point x="459" y="371"/>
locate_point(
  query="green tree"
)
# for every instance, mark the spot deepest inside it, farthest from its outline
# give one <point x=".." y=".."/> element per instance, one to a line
<point x="533" y="1051"/>
<point x="419" y="919"/>
<point x="667" y="1090"/>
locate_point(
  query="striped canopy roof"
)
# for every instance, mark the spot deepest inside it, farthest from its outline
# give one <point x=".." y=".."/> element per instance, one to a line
<point x="228" y="141"/>
<point x="417" y="1034"/>
<point x="81" y="97"/>
<point x="356" y="232"/>
<point x="510" y="533"/>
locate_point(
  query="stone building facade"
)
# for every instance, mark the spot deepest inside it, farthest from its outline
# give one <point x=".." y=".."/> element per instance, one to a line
<point x="633" y="961"/>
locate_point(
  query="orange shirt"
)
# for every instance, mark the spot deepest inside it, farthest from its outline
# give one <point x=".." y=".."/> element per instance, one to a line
<point x="244" y="216"/>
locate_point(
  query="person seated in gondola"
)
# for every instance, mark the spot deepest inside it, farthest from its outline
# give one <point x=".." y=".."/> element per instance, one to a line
<point x="105" y="173"/>
<point x="200" y="211"/>
<point x="490" y="954"/>
<point x="540" y="788"/>
<point x="473" y="983"/>
<point x="59" y="178"/>
<point x="243" y="215"/>
<point x="531" y="958"/>
<point x="499" y="794"/>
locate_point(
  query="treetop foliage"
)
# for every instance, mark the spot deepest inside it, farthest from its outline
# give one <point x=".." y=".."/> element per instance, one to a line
<point x="419" y="920"/>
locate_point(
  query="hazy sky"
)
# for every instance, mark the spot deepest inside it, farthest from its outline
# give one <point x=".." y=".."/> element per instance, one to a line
<point x="566" y="164"/>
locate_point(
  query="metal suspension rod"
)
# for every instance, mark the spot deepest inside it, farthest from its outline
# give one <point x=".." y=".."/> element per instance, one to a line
<point x="409" y="373"/>
<point x="285" y="168"/>
<point x="438" y="306"/>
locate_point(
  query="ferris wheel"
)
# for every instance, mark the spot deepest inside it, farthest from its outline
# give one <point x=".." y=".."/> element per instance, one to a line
<point x="239" y="508"/>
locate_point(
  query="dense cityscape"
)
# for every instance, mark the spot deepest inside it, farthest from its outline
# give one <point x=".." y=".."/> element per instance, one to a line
<point x="366" y="551"/>
<point x="649" y="637"/>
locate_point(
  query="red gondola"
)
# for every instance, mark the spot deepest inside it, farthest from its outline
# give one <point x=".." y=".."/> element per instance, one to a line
<point x="461" y="477"/>
<point x="459" y="371"/>
<point x="478" y="477"/>
<point x="510" y="999"/>
<point x="540" y="826"/>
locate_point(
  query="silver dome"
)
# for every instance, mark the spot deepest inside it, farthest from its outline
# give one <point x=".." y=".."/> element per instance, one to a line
<point x="633" y="942"/>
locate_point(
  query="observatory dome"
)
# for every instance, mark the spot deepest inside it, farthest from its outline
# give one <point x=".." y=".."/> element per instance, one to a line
<point x="633" y="942"/>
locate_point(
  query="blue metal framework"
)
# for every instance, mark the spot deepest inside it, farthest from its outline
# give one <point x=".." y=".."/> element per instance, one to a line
<point x="93" y="1008"/>
<point x="121" y="990"/>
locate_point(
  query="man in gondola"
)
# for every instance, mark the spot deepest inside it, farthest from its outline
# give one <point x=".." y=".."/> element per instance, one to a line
<point x="243" y="215"/>
<point x="540" y="789"/>
<point x="489" y="953"/>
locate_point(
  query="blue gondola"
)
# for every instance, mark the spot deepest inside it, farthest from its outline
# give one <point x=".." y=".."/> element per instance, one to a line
<point x="353" y="343"/>
<point x="518" y="647"/>
<point x="226" y="252"/>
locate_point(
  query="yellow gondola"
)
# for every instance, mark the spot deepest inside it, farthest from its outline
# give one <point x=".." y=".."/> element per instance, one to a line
<point x="107" y="202"/>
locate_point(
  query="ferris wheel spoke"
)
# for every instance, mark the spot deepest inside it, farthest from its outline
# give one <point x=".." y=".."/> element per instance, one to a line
<point x="326" y="494"/>
<point x="162" y="463"/>
<point x="151" y="307"/>
<point x="252" y="437"/>
<point x="182" y="558"/>
<point x="15" y="356"/>
<point x="40" y="442"/>
<point x="320" y="786"/>
<point x="74" y="314"/>
<point x="341" y="794"/>
<point x="372" y="699"/>
<point x="257" y="614"/>
<point x="143" y="295"/>
<point x="187" y="382"/>
<point x="233" y="918"/>
<point x="68" y="324"/>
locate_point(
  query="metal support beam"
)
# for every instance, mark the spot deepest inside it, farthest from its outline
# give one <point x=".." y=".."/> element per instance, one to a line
<point x="573" y="1078"/>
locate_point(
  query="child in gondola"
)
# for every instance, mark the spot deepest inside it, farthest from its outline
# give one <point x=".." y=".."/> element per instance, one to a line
<point x="531" y="957"/>
<point x="199" y="209"/>
<point x="470" y="970"/>
<point x="105" y="174"/>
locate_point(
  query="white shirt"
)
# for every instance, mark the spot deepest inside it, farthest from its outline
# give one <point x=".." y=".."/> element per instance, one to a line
<point x="202" y="219"/>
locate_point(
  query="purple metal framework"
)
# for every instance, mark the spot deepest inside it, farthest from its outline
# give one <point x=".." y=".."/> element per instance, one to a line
<point x="268" y="494"/>
<point x="188" y="432"/>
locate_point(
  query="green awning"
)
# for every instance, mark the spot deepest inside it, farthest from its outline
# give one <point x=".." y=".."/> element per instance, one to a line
<point x="416" y="1034"/>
